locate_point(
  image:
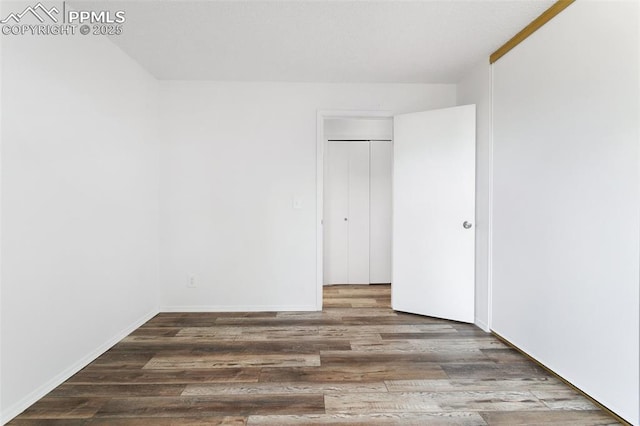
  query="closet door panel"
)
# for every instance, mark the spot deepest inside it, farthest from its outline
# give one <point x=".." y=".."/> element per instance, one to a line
<point x="380" y="217"/>
<point x="358" y="219"/>
<point x="336" y="208"/>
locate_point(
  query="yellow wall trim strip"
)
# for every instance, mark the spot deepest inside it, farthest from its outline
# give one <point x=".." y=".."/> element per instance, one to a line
<point x="545" y="17"/>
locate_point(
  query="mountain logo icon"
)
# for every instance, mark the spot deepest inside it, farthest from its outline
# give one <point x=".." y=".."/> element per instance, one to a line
<point x="38" y="11"/>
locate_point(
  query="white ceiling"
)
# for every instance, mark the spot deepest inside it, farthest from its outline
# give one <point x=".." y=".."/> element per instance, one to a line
<point x="318" y="41"/>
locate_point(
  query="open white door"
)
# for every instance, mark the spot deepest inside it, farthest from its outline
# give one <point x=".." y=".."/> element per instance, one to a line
<point x="433" y="213"/>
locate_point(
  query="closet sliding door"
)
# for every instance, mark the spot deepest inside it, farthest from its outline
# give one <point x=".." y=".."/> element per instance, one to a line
<point x="346" y="213"/>
<point x="381" y="168"/>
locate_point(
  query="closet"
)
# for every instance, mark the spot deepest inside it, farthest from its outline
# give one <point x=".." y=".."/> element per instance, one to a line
<point x="357" y="203"/>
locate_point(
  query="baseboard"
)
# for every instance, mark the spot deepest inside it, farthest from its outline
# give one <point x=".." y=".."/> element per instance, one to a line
<point x="238" y="308"/>
<point x="34" y="396"/>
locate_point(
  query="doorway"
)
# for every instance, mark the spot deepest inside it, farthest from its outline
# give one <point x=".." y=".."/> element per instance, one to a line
<point x="354" y="198"/>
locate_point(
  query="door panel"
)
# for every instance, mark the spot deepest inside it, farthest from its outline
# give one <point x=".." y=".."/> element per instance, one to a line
<point x="358" y="223"/>
<point x="433" y="195"/>
<point x="380" y="218"/>
<point x="336" y="208"/>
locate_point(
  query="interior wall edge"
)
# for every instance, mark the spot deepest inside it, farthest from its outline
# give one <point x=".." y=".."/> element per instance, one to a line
<point x="483" y="325"/>
<point x="475" y="88"/>
<point x="560" y="377"/>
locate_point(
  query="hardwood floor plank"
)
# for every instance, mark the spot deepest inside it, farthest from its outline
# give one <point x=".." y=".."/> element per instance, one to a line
<point x="162" y="320"/>
<point x="297" y="346"/>
<point x="176" y="421"/>
<point x="539" y="418"/>
<point x="181" y="342"/>
<point x="349" y="357"/>
<point x="379" y="328"/>
<point x="208" y="315"/>
<point x="504" y="355"/>
<point x="431" y="346"/>
<point x="389" y="320"/>
<point x="120" y="359"/>
<point x="64" y="408"/>
<point x="276" y="322"/>
<point x="563" y="399"/>
<point x="405" y="419"/>
<point x="102" y="390"/>
<point x="338" y="313"/>
<point x="115" y="377"/>
<point x="490" y="370"/>
<point x="283" y="388"/>
<point x="21" y="421"/>
<point x="222" y="346"/>
<point x="253" y="332"/>
<point x="257" y="333"/>
<point x="234" y="405"/>
<point x="363" y="403"/>
<point x="437" y="331"/>
<point x="353" y="373"/>
<point x="155" y="331"/>
<point x="528" y="384"/>
<point x="203" y="362"/>
<point x="341" y="302"/>
<point x="487" y="400"/>
<point x="149" y="421"/>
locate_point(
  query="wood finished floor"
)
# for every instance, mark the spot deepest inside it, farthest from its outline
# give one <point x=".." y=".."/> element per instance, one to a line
<point x="356" y="362"/>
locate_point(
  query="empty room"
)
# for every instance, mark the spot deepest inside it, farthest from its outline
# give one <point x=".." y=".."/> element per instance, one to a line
<point x="372" y="212"/>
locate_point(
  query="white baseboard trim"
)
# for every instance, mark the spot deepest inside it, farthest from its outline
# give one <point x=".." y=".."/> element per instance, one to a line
<point x="238" y="308"/>
<point x="482" y="325"/>
<point x="17" y="408"/>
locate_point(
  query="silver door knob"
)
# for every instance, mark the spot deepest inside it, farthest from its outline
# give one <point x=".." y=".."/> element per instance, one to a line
<point x="345" y="219"/>
<point x="466" y="225"/>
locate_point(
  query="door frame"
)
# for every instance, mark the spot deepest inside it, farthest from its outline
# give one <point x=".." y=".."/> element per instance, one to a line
<point x="322" y="115"/>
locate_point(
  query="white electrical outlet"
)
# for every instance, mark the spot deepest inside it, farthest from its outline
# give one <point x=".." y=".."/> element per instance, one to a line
<point x="191" y="281"/>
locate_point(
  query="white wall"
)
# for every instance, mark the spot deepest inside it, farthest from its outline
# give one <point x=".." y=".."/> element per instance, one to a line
<point x="79" y="207"/>
<point x="566" y="199"/>
<point x="236" y="156"/>
<point x="475" y="88"/>
<point x="358" y="128"/>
